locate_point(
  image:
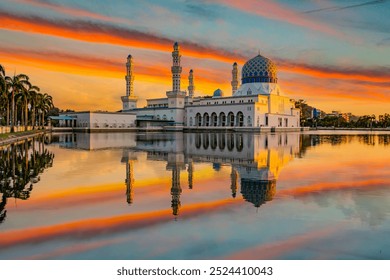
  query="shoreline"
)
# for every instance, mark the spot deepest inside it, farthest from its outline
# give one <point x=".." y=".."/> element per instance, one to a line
<point x="350" y="128"/>
<point x="28" y="134"/>
<point x="11" y="139"/>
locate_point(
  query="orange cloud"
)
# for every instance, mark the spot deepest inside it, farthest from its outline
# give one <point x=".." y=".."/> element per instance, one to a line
<point x="110" y="34"/>
<point x="376" y="75"/>
<point x="317" y="90"/>
<point x="101" y="67"/>
<point x="77" y="64"/>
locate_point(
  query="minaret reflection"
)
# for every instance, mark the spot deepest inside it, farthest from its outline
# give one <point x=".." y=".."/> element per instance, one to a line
<point x="129" y="158"/>
<point x="129" y="181"/>
<point x="175" y="191"/>
<point x="190" y="174"/>
<point x="234" y="181"/>
<point x="175" y="164"/>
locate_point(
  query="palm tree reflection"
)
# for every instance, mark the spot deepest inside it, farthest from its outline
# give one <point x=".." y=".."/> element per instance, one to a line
<point x="20" y="167"/>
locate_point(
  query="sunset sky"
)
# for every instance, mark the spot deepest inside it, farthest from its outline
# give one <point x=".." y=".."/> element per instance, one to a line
<point x="333" y="54"/>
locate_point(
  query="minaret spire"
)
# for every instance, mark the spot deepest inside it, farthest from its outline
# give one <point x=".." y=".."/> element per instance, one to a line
<point x="129" y="77"/>
<point x="191" y="87"/>
<point x="234" y="82"/>
<point x="176" y="68"/>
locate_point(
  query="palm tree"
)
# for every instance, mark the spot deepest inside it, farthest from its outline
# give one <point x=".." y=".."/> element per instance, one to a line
<point x="45" y="103"/>
<point x="26" y="97"/>
<point x="16" y="84"/>
<point x="33" y="94"/>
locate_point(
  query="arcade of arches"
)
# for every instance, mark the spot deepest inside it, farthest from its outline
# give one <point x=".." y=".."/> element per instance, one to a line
<point x="221" y="119"/>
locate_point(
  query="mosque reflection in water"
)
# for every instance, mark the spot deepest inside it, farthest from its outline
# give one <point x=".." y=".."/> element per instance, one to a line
<point x="20" y="166"/>
<point x="255" y="159"/>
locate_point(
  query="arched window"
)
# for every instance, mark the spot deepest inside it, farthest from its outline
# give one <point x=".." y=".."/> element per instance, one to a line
<point x="230" y="119"/>
<point x="214" y="119"/>
<point x="190" y="121"/>
<point x="164" y="117"/>
<point x="198" y="119"/>
<point x="240" y="119"/>
<point x="222" y="119"/>
<point x="206" y="119"/>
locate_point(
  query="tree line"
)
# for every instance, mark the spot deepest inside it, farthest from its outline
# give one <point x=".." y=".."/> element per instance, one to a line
<point x="323" y="120"/>
<point x="21" y="102"/>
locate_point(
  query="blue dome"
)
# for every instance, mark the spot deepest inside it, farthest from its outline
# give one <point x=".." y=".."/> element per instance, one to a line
<point x="218" y="93"/>
<point x="259" y="70"/>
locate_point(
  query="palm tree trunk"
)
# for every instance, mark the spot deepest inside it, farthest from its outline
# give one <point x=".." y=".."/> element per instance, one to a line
<point x="33" y="117"/>
<point x="13" y="111"/>
<point x="8" y="114"/>
<point x="26" y="115"/>
<point x="21" y="117"/>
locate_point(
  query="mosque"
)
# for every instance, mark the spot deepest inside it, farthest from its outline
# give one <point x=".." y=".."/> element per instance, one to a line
<point x="258" y="104"/>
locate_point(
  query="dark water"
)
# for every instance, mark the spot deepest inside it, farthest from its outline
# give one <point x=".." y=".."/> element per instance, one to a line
<point x="196" y="196"/>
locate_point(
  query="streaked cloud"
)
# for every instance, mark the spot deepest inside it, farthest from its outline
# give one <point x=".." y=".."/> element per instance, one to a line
<point x="71" y="11"/>
<point x="339" y="8"/>
<point x="385" y="42"/>
<point x="96" y="32"/>
<point x="275" y="11"/>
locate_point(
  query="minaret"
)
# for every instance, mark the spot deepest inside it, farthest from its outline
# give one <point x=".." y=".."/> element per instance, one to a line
<point x="129" y="101"/>
<point x="234" y="82"/>
<point x="176" y="97"/>
<point x="191" y="87"/>
<point x="129" y="181"/>
<point x="176" y="68"/>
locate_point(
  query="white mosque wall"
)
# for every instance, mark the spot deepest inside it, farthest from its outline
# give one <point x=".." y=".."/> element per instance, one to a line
<point x="100" y="120"/>
<point x="168" y="114"/>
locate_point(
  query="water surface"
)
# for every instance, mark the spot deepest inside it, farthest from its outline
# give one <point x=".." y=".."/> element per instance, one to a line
<point x="322" y="195"/>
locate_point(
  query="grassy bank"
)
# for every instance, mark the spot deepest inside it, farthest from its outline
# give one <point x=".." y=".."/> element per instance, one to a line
<point x="5" y="136"/>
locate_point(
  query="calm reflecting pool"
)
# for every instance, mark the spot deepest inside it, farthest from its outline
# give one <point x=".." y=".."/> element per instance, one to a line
<point x="319" y="195"/>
